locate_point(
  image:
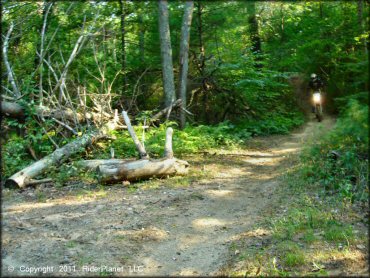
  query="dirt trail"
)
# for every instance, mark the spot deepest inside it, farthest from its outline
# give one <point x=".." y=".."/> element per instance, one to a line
<point x="169" y="230"/>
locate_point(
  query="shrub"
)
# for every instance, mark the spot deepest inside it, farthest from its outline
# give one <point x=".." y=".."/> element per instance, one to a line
<point x="345" y="171"/>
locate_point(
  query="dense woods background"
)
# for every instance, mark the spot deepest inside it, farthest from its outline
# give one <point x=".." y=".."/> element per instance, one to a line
<point x="70" y="64"/>
<point x="214" y="74"/>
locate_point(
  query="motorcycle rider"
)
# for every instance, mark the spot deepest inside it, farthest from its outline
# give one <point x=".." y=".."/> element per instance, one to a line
<point x="315" y="84"/>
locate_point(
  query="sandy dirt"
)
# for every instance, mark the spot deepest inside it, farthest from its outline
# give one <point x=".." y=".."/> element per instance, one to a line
<point x="171" y="229"/>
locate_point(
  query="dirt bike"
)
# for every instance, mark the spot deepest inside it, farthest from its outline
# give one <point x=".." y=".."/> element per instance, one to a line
<point x="317" y="102"/>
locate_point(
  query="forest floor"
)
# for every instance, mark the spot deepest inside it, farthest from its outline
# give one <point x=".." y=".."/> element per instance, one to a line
<point x="177" y="226"/>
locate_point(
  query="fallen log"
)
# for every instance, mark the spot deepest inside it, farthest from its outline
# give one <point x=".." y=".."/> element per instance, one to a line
<point x="93" y="164"/>
<point x="141" y="169"/>
<point x="15" y="110"/>
<point x="114" y="171"/>
<point x="25" y="176"/>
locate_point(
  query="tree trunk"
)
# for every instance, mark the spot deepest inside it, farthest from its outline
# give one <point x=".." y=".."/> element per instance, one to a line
<point x="361" y="23"/>
<point x="40" y="57"/>
<point x="10" y="73"/>
<point x="184" y="58"/>
<point x="253" y="30"/>
<point x="25" y="176"/>
<point x="201" y="63"/>
<point x="166" y="54"/>
<point x="201" y="60"/>
<point x="123" y="45"/>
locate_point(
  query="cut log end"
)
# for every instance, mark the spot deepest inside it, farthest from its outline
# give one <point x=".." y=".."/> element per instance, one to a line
<point x="10" y="183"/>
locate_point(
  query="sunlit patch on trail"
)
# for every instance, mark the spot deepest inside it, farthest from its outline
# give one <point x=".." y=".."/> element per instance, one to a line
<point x="145" y="234"/>
<point x="219" y="193"/>
<point x="21" y="208"/>
<point x="191" y="240"/>
<point x="208" y="222"/>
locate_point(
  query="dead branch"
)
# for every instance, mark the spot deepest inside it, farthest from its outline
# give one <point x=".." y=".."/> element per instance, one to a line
<point x="166" y="110"/>
<point x="66" y="126"/>
<point x="140" y="148"/>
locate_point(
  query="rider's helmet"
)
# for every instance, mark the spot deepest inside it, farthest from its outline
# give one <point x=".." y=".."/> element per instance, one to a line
<point x="313" y="75"/>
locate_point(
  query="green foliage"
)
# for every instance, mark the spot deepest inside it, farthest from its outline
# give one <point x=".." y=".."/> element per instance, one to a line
<point x="273" y="123"/>
<point x="345" y="171"/>
<point x="14" y="157"/>
<point x="198" y="138"/>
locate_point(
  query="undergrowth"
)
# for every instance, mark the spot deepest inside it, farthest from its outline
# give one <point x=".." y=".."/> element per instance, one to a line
<point x="192" y="139"/>
<point x="338" y="163"/>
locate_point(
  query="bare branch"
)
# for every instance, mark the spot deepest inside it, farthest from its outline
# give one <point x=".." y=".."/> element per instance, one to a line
<point x="16" y="91"/>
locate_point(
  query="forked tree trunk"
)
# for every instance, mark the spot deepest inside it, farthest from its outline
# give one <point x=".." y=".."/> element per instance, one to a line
<point x="166" y="54"/>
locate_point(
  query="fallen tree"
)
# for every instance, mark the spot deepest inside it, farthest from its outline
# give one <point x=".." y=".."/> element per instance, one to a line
<point x="15" y="110"/>
<point x="26" y="176"/>
<point x="115" y="170"/>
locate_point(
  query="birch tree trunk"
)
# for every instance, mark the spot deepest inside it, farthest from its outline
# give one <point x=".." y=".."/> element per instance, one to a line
<point x="9" y="70"/>
<point x="184" y="58"/>
<point x="47" y="7"/>
<point x="166" y="54"/>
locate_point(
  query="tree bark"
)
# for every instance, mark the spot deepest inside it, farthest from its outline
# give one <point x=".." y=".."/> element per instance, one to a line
<point x="95" y="163"/>
<point x="142" y="169"/>
<point x="25" y="176"/>
<point x="46" y="10"/>
<point x="166" y="54"/>
<point x="184" y="58"/>
<point x="123" y="44"/>
<point x="9" y="70"/>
